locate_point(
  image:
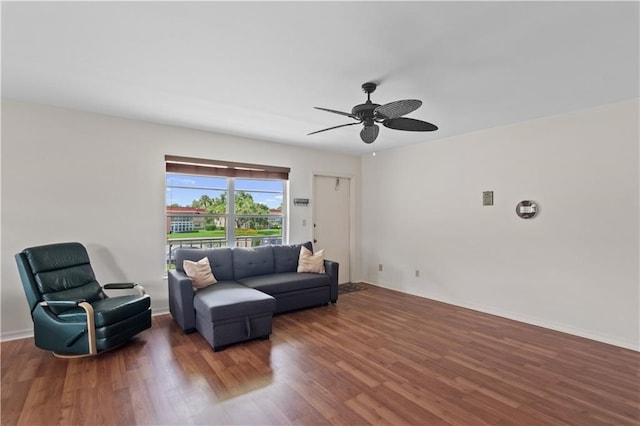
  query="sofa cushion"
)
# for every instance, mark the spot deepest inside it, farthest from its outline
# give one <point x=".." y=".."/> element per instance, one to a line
<point x="199" y="272"/>
<point x="249" y="262"/>
<point x="227" y="300"/>
<point x="286" y="281"/>
<point x="311" y="262"/>
<point x="285" y="258"/>
<point x="220" y="260"/>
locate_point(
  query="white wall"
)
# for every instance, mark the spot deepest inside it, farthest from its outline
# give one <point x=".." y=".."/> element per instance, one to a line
<point x="76" y="176"/>
<point x="573" y="268"/>
<point x="69" y="175"/>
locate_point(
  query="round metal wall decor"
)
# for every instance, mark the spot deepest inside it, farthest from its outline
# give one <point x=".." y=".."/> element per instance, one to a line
<point x="527" y="209"/>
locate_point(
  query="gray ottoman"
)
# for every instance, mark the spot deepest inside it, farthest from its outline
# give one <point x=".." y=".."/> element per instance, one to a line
<point x="229" y="313"/>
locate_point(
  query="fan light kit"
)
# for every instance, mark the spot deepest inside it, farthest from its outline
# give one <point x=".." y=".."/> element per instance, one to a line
<point x="390" y="115"/>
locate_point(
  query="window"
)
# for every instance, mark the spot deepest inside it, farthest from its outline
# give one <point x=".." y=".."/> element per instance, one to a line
<point x="200" y="213"/>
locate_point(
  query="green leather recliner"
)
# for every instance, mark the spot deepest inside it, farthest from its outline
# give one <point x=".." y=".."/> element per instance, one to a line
<point x="71" y="313"/>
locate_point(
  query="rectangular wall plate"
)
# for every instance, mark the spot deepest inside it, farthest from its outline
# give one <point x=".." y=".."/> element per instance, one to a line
<point x="487" y="198"/>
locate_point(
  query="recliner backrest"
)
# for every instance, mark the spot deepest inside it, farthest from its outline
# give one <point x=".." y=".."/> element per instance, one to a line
<point x="58" y="272"/>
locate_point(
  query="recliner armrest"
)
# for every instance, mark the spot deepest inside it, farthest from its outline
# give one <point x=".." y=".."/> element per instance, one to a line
<point x="50" y="334"/>
<point x="61" y="303"/>
<point x="71" y="339"/>
<point x="124" y="286"/>
<point x="119" y="285"/>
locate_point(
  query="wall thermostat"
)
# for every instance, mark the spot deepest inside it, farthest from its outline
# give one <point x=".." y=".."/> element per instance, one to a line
<point x="527" y="209"/>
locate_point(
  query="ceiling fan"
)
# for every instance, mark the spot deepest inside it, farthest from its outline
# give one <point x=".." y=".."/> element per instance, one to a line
<point x="390" y="115"/>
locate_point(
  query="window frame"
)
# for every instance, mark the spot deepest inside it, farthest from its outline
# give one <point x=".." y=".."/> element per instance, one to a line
<point x="229" y="171"/>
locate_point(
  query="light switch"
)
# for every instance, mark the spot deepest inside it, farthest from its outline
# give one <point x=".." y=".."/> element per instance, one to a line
<point x="487" y="198"/>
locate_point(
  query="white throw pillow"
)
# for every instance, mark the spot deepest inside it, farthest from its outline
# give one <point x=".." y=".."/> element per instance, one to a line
<point x="199" y="272"/>
<point x="310" y="262"/>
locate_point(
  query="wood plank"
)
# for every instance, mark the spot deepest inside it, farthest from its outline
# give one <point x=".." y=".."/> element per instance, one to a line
<point x="376" y="357"/>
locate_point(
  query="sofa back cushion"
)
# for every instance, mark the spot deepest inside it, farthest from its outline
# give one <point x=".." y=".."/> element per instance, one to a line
<point x="249" y="262"/>
<point x="286" y="256"/>
<point x="220" y="260"/>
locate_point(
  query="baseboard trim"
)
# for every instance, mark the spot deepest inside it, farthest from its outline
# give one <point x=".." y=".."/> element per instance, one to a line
<point x="563" y="328"/>
<point x="16" y="335"/>
<point x="159" y="311"/>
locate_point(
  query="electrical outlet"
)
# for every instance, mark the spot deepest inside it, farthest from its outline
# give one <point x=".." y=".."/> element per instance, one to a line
<point x="380" y="267"/>
<point x="417" y="273"/>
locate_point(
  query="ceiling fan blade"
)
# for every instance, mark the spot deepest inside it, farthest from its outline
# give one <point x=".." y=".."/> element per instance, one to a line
<point x="368" y="134"/>
<point x="331" y="128"/>
<point x="397" y="109"/>
<point x="409" y="124"/>
<point x="346" y="114"/>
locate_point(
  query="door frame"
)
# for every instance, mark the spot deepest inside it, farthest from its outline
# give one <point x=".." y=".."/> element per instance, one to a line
<point x="353" y="230"/>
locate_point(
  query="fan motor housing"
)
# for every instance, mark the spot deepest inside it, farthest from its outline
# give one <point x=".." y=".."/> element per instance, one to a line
<point x="365" y="110"/>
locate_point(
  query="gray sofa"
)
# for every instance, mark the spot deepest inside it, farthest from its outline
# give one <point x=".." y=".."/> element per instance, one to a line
<point x="253" y="284"/>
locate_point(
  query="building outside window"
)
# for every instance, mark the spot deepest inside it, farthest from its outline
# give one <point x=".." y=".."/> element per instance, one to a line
<point x="178" y="223"/>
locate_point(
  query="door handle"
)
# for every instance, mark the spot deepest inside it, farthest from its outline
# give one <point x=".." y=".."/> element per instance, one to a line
<point x="315" y="241"/>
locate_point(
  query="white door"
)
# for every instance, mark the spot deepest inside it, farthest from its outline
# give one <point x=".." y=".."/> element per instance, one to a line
<point x="331" y="216"/>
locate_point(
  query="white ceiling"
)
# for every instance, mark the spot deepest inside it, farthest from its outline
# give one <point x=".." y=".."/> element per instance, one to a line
<point x="257" y="69"/>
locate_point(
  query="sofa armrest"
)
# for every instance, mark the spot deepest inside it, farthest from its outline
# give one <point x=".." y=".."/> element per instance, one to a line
<point x="181" y="300"/>
<point x="331" y="269"/>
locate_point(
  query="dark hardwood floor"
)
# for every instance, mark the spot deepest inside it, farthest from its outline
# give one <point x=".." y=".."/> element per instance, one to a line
<point x="376" y="357"/>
